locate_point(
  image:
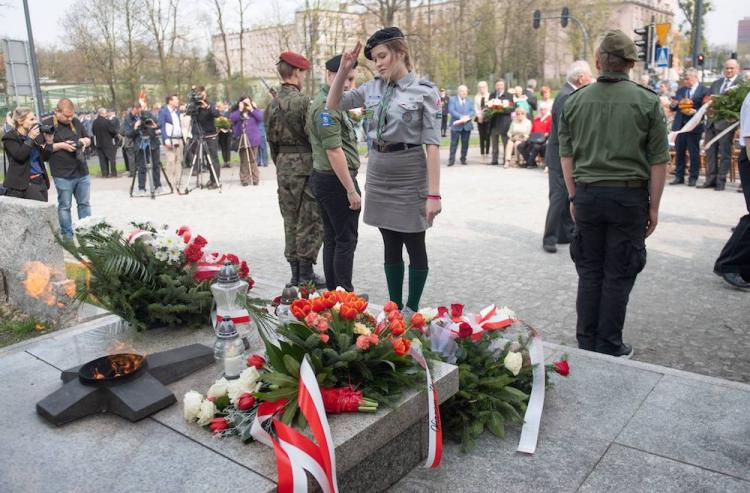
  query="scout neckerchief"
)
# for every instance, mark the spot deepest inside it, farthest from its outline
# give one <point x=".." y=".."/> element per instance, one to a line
<point x="384" y="103"/>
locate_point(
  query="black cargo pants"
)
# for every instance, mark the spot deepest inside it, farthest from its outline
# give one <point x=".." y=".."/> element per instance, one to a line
<point x="609" y="251"/>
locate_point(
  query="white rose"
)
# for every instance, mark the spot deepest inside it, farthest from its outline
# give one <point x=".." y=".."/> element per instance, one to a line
<point x="235" y="389"/>
<point x="429" y="314"/>
<point x="513" y="362"/>
<point x="191" y="405"/>
<point x="249" y="376"/>
<point x="206" y="412"/>
<point x="218" y="389"/>
<point x="361" y="329"/>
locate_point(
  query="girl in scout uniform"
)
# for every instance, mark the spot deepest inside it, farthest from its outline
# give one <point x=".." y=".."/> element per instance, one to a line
<point x="403" y="174"/>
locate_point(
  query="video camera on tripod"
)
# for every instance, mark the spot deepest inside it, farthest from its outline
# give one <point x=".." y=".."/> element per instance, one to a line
<point x="198" y="157"/>
<point x="195" y="102"/>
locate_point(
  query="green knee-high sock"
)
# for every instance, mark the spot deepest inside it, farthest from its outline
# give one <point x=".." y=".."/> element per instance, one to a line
<point x="417" y="280"/>
<point x="394" y="276"/>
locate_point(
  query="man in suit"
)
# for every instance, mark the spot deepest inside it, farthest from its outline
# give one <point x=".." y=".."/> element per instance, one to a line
<point x="500" y="124"/>
<point x="530" y="93"/>
<point x="171" y="136"/>
<point x="461" y="109"/>
<point x="105" y="133"/>
<point x="719" y="155"/>
<point x="691" y="90"/>
<point x="558" y="227"/>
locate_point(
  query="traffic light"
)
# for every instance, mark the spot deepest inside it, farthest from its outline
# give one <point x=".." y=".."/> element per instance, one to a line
<point x="564" y="16"/>
<point x="701" y="59"/>
<point x="536" y="19"/>
<point x="643" y="42"/>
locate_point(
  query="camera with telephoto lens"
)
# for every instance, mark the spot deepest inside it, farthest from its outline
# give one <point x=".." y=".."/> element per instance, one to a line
<point x="193" y="106"/>
<point x="45" y="129"/>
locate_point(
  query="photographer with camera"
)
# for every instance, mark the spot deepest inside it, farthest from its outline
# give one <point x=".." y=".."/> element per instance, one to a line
<point x="68" y="166"/>
<point x="142" y="128"/>
<point x="203" y="116"/>
<point x="26" y="149"/>
<point x="245" y="121"/>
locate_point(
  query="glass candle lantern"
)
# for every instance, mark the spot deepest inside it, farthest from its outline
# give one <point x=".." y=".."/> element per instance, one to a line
<point x="284" y="310"/>
<point x="229" y="350"/>
<point x="227" y="290"/>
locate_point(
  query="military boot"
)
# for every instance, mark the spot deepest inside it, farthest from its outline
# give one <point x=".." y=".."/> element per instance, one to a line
<point x="294" y="281"/>
<point x="307" y="274"/>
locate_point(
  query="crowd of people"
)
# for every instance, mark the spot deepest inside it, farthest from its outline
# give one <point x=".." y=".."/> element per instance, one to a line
<point x="605" y="147"/>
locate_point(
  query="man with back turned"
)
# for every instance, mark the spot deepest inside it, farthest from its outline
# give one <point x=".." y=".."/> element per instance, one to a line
<point x="614" y="152"/>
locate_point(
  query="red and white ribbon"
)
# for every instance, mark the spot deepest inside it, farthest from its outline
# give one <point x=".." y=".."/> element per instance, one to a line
<point x="238" y="316"/>
<point x="435" y="428"/>
<point x="533" y="417"/>
<point x="296" y="453"/>
<point x="136" y="234"/>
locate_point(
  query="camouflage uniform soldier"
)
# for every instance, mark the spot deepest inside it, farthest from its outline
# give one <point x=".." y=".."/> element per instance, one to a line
<point x="291" y="152"/>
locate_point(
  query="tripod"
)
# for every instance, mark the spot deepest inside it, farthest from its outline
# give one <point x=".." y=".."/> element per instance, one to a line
<point x="248" y="152"/>
<point x="145" y="148"/>
<point x="200" y="158"/>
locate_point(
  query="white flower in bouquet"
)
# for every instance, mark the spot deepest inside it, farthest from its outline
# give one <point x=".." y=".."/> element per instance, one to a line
<point x="218" y="389"/>
<point x="88" y="224"/>
<point x="237" y="389"/>
<point x="206" y="412"/>
<point x="513" y="362"/>
<point x="191" y="405"/>
<point x="361" y="329"/>
<point x="428" y="313"/>
<point x="249" y="377"/>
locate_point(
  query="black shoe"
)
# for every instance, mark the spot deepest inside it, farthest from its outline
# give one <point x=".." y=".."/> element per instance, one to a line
<point x="550" y="248"/>
<point x="720" y="187"/>
<point x="212" y="185"/>
<point x="451" y="163"/>
<point x="493" y="163"/>
<point x="736" y="280"/>
<point x="563" y="241"/>
<point x="294" y="281"/>
<point x="677" y="181"/>
<point x="625" y="351"/>
<point x="692" y="182"/>
<point x="463" y="161"/>
<point x="709" y="184"/>
<point x="307" y="274"/>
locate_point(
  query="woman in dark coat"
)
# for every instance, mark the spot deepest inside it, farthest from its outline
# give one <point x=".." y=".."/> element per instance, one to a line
<point x="26" y="177"/>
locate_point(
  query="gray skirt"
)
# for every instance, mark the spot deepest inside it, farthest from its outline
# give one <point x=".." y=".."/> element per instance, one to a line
<point x="396" y="190"/>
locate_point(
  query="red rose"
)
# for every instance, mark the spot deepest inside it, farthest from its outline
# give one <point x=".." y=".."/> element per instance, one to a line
<point x="218" y="424"/>
<point x="200" y="241"/>
<point x="193" y="253"/>
<point x="246" y="401"/>
<point x="390" y="306"/>
<point x="442" y="312"/>
<point x="257" y="361"/>
<point x="562" y="367"/>
<point x="348" y="312"/>
<point x="232" y="258"/>
<point x="401" y="346"/>
<point x="418" y="321"/>
<point x="457" y="311"/>
<point x="465" y="330"/>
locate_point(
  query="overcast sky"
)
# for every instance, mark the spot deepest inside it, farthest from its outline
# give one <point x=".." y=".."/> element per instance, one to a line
<point x="721" y="24"/>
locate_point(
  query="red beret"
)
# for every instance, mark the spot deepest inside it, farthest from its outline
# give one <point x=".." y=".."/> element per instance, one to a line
<point x="295" y="60"/>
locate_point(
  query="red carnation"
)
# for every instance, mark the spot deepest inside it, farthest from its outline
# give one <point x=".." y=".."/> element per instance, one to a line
<point x="257" y="361"/>
<point x="562" y="367"/>
<point x="244" y="270"/>
<point x="193" y="253"/>
<point x="465" y="330"/>
<point x="246" y="401"/>
<point x="200" y="241"/>
<point x="218" y="424"/>
<point x="232" y="258"/>
<point x="442" y="312"/>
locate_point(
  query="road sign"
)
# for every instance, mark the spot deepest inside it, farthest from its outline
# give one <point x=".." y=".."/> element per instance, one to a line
<point x="17" y="68"/>
<point x="662" y="29"/>
<point x="662" y="57"/>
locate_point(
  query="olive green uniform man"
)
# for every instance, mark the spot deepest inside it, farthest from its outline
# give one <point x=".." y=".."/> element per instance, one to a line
<point x="614" y="151"/>
<point x="291" y="152"/>
<point x="334" y="180"/>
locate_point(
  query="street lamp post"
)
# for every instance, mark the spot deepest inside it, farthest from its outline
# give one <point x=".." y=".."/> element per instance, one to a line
<point x="38" y="101"/>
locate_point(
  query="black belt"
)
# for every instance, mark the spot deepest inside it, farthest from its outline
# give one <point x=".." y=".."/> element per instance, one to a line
<point x="295" y="149"/>
<point x="616" y="184"/>
<point x="400" y="146"/>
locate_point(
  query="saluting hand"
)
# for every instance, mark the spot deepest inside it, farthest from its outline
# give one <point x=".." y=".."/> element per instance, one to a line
<point x="349" y="58"/>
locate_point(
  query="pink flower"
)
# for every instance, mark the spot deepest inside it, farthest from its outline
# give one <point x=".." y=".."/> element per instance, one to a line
<point x="363" y="343"/>
<point x="312" y="319"/>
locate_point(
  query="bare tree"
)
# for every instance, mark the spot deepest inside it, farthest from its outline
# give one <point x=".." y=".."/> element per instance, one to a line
<point x="384" y="10"/>
<point x="133" y="53"/>
<point x="161" y="21"/>
<point x="243" y="6"/>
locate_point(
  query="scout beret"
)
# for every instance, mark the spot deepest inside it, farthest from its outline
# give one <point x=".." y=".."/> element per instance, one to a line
<point x="295" y="60"/>
<point x="380" y="37"/>
<point x="616" y="42"/>
<point x="333" y="64"/>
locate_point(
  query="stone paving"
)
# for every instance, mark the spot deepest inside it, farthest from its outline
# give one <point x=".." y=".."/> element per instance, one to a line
<point x="486" y="248"/>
